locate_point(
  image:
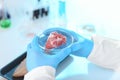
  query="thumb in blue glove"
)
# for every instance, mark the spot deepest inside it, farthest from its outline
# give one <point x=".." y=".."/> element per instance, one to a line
<point x="82" y="46"/>
<point x="36" y="56"/>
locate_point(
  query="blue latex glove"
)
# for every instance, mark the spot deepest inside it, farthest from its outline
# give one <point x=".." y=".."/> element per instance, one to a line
<point x="86" y="48"/>
<point x="82" y="46"/>
<point x="37" y="57"/>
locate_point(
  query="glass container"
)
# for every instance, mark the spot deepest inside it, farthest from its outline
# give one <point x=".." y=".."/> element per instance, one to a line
<point x="44" y="36"/>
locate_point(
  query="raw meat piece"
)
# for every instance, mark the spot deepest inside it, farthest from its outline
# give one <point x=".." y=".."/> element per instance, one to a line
<point x="21" y="70"/>
<point x="55" y="40"/>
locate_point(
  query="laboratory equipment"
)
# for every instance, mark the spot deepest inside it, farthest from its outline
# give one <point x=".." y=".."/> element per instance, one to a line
<point x="8" y="70"/>
<point x="57" y="15"/>
<point x="44" y="36"/>
<point x="1" y="11"/>
<point x="5" y="23"/>
<point x="4" y="17"/>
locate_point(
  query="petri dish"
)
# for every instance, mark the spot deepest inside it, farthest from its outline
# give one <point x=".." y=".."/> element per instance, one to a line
<point x="44" y="36"/>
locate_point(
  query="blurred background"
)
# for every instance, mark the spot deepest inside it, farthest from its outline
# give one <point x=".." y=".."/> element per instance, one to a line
<point x="102" y="16"/>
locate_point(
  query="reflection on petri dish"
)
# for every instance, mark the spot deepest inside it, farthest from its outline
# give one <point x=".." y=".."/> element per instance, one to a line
<point x="89" y="28"/>
<point x="44" y="36"/>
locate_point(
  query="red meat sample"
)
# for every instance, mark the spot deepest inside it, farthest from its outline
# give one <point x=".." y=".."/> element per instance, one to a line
<point x="55" y="40"/>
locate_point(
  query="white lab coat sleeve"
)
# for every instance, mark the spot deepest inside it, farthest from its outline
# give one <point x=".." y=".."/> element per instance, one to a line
<point x="41" y="73"/>
<point x="106" y="52"/>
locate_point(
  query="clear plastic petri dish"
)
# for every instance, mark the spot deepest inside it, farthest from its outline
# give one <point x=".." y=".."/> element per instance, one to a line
<point x="44" y="36"/>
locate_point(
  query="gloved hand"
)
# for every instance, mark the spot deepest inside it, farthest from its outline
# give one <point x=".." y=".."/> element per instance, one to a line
<point x="37" y="57"/>
<point x="82" y="46"/>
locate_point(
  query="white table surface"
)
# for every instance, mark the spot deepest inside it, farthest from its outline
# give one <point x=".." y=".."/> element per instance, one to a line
<point x="13" y="41"/>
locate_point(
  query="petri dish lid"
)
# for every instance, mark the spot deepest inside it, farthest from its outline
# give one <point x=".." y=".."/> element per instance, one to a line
<point x="44" y="36"/>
